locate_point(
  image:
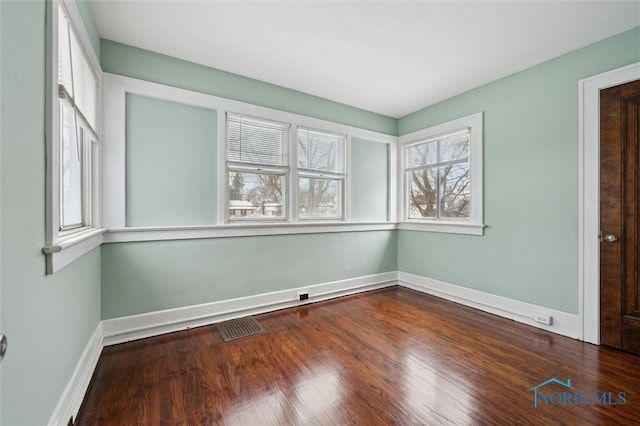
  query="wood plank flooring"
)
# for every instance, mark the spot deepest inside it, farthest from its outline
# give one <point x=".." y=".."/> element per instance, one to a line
<point x="392" y="356"/>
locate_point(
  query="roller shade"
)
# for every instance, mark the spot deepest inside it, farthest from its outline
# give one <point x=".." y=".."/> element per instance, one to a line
<point x="76" y="80"/>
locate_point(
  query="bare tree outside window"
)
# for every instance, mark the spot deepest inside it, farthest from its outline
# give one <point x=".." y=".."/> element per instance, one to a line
<point x="438" y="178"/>
<point x="258" y="166"/>
<point x="321" y="174"/>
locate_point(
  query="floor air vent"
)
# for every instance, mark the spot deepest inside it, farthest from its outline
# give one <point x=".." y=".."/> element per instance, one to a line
<point x="242" y="327"/>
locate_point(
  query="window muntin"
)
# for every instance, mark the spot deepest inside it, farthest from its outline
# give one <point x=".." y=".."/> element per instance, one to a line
<point x="77" y="122"/>
<point x="257" y="168"/>
<point x="438" y="177"/>
<point x="321" y="174"/>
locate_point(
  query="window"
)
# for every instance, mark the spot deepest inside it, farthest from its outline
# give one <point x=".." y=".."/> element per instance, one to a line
<point x="72" y="139"/>
<point x="438" y="177"/>
<point x="262" y="177"/>
<point x="321" y="174"/>
<point x="443" y="176"/>
<point x="257" y="168"/>
<point x="77" y="112"/>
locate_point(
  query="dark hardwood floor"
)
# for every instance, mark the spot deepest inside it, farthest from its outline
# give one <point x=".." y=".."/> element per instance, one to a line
<point x="391" y="356"/>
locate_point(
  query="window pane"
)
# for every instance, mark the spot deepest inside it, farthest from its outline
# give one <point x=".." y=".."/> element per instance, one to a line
<point x="423" y="193"/>
<point x="320" y="151"/>
<point x="422" y="154"/>
<point x="71" y="171"/>
<point x="454" y="147"/>
<point x="257" y="141"/>
<point x="319" y="198"/>
<point x="455" y="194"/>
<point x="255" y="195"/>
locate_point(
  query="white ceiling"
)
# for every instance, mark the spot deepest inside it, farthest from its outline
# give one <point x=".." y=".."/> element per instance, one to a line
<point x="390" y="57"/>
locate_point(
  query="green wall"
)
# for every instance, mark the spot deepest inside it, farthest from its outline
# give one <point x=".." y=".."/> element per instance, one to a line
<point x="171" y="180"/>
<point x="530" y="249"/>
<point x="171" y="163"/>
<point x="48" y="319"/>
<point x="145" y="65"/>
<point x="89" y="25"/>
<point x="369" y="180"/>
<point x="147" y="276"/>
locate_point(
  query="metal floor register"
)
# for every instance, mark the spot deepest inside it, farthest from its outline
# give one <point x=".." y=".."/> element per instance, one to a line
<point x="241" y="327"/>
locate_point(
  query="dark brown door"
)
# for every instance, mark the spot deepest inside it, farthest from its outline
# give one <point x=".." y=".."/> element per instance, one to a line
<point x="619" y="216"/>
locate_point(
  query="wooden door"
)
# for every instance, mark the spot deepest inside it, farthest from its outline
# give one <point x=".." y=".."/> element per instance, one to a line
<point x="619" y="216"/>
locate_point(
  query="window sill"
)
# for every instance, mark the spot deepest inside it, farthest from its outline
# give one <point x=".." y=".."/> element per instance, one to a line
<point x="71" y="247"/>
<point x="238" y="230"/>
<point x="444" y="227"/>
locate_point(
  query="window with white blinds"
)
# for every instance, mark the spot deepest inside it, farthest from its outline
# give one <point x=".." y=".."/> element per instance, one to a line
<point x="321" y="174"/>
<point x="257" y="168"/>
<point x="77" y="124"/>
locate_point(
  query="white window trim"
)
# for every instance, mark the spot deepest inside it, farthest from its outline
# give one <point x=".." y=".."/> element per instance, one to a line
<point x="473" y="226"/>
<point x="61" y="250"/>
<point x="115" y="89"/>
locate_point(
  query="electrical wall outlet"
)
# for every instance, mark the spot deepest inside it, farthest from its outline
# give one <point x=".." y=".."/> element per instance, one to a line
<point x="303" y="296"/>
<point x="543" y="318"/>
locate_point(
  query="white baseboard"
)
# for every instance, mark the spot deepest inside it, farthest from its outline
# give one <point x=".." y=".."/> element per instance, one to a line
<point x="563" y="323"/>
<point x="124" y="329"/>
<point x="73" y="394"/>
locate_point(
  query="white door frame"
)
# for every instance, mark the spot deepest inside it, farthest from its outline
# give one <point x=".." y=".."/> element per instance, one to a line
<point x="589" y="196"/>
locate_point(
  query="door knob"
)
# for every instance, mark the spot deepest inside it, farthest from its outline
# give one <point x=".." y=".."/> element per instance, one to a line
<point x="3" y="346"/>
<point x="609" y="238"/>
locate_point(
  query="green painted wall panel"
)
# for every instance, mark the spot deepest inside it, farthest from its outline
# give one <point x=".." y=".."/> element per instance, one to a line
<point x="48" y="319"/>
<point x="369" y="180"/>
<point x="530" y="249"/>
<point x="145" y="65"/>
<point x="147" y="276"/>
<point x="171" y="163"/>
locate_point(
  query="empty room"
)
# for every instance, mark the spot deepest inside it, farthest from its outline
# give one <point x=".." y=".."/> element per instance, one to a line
<point x="319" y="212"/>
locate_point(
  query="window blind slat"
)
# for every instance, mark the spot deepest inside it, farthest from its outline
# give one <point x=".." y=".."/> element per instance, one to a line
<point x="321" y="151"/>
